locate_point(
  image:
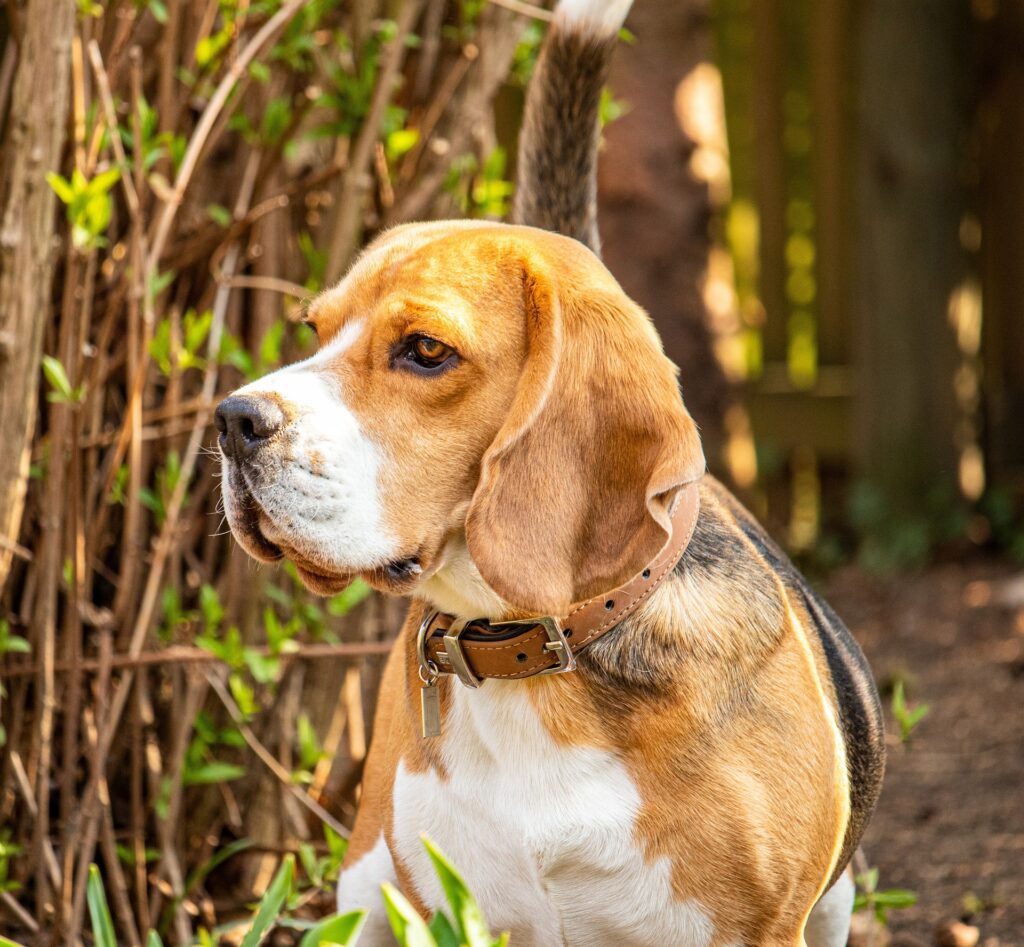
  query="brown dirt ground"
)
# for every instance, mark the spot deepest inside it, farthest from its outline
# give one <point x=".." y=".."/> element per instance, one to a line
<point x="951" y="816"/>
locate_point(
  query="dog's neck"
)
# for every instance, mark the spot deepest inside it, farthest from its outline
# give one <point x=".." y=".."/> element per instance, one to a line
<point x="457" y="588"/>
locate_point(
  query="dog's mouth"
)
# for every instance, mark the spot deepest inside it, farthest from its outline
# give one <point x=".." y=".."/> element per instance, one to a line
<point x="243" y="514"/>
<point x="250" y="524"/>
<point x="397" y="577"/>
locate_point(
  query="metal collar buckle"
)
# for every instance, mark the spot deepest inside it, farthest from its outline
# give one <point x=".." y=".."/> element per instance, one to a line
<point x="557" y="643"/>
<point x="453" y="651"/>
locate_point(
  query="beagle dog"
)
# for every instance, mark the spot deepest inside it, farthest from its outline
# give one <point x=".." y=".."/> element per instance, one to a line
<point x="614" y="704"/>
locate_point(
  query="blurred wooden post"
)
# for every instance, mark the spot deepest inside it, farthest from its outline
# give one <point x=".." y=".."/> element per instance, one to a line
<point x="32" y="145"/>
<point x="829" y="51"/>
<point x="771" y="176"/>
<point x="1002" y="241"/>
<point x="909" y="125"/>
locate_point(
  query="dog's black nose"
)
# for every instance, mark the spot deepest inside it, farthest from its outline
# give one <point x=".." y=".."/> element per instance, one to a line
<point x="245" y="422"/>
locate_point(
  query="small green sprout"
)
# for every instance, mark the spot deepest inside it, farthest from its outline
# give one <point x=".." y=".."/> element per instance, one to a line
<point x="881" y="902"/>
<point x="906" y="717"/>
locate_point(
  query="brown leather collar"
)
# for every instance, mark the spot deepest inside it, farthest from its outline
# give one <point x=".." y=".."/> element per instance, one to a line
<point x="477" y="649"/>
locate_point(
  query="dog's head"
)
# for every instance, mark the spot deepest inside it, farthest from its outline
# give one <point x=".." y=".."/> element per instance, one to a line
<point x="479" y="388"/>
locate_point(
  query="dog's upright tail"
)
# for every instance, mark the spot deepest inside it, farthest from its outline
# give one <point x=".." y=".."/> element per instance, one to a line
<point x="557" y="174"/>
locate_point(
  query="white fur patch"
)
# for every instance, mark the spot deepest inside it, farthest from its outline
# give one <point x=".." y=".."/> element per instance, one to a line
<point x="456" y="587"/>
<point x="602" y="16"/>
<point x="543" y="833"/>
<point x="359" y="887"/>
<point x="829" y="923"/>
<point x="321" y="495"/>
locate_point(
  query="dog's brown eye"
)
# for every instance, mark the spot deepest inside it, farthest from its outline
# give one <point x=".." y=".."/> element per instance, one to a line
<point x="424" y="355"/>
<point x="430" y="350"/>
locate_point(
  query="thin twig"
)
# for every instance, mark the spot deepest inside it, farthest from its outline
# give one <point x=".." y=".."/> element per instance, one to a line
<point x="11" y="546"/>
<point x="169" y="864"/>
<point x="110" y="113"/>
<point x="98" y="793"/>
<point x="24" y="918"/>
<point x="187" y="655"/>
<point x="270" y="283"/>
<point x="527" y="9"/>
<point x="25" y="788"/>
<point x="267" y="758"/>
<point x="136" y="365"/>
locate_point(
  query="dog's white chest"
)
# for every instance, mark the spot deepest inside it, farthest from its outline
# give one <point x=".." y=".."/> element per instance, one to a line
<point x="543" y="833"/>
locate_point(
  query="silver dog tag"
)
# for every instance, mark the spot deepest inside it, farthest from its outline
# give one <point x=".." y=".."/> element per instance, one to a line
<point x="430" y="710"/>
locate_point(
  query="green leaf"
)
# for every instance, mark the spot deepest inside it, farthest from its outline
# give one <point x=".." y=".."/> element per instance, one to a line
<point x="244" y="696"/>
<point x="99" y="912"/>
<point x="11" y="644"/>
<point x="153" y="940"/>
<point x="159" y="282"/>
<point x="197" y="327"/>
<point x="309" y="746"/>
<point x="159" y="10"/>
<point x="163" y="800"/>
<point x="473" y="928"/>
<point x="271" y="903"/>
<point x="442" y="930"/>
<point x="310" y="864"/>
<point x="868" y="881"/>
<point x="409" y="928"/>
<point x="212" y="772"/>
<point x="104" y="181"/>
<point x="152" y="502"/>
<point x="259" y="71"/>
<point x="348" y="598"/>
<point x="896" y="898"/>
<point x="270" y="345"/>
<point x="340" y="929"/>
<point x="209" y="47"/>
<point x="57" y="377"/>
<point x="4" y="942"/>
<point x="337" y="844"/>
<point x="126" y="854"/>
<point x="263" y="667"/>
<point x="610" y="109"/>
<point x="61" y="187"/>
<point x="276" y="119"/>
<point x="219" y="214"/>
<point x="917" y="714"/>
<point x="209" y="604"/>
<point x="400" y="142"/>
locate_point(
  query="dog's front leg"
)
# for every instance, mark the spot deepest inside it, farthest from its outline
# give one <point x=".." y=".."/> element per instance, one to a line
<point x="829" y="922"/>
<point x="359" y="887"/>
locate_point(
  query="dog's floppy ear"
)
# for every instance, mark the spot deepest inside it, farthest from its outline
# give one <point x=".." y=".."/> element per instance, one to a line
<point x="575" y="489"/>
